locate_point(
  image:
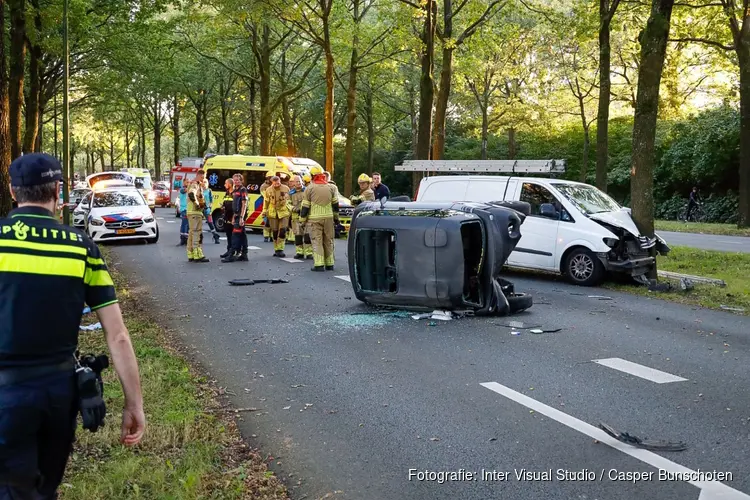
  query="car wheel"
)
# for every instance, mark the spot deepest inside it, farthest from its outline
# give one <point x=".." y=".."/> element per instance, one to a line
<point x="519" y="302"/>
<point x="583" y="268"/>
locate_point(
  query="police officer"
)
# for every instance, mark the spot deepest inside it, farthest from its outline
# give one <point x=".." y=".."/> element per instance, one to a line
<point x="228" y="215"/>
<point x="47" y="272"/>
<point x="321" y="208"/>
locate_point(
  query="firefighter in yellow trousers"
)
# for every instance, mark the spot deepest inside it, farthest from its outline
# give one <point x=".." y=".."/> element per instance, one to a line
<point x="195" y="208"/>
<point x="302" y="242"/>
<point x="276" y="210"/>
<point x="263" y="187"/>
<point x="320" y="210"/>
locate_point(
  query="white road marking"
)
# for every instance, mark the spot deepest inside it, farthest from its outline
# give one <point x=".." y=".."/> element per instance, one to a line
<point x="710" y="490"/>
<point x="171" y="222"/>
<point x="160" y="218"/>
<point x="223" y="238"/>
<point x="345" y="278"/>
<point x="291" y="260"/>
<point x="253" y="248"/>
<point x="641" y="371"/>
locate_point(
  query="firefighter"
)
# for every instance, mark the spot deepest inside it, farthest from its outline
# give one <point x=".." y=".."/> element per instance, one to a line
<point x="302" y="242"/>
<point x="276" y="211"/>
<point x="365" y="193"/>
<point x="263" y="187"/>
<point x="321" y="208"/>
<point x="195" y="207"/>
<point x="307" y="179"/>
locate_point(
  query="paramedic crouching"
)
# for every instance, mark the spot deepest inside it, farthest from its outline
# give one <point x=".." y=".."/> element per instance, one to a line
<point x="47" y="272"/>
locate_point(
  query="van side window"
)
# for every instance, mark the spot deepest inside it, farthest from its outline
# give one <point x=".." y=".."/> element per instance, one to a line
<point x="536" y="195"/>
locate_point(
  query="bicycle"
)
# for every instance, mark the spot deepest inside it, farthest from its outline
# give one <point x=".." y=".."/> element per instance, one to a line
<point x="697" y="215"/>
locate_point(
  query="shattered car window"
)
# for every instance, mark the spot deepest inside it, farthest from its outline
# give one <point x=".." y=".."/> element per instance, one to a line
<point x="587" y="199"/>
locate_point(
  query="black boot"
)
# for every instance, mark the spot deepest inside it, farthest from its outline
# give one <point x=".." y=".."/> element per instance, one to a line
<point x="329" y="268"/>
<point x="299" y="256"/>
<point x="226" y="254"/>
<point x="266" y="240"/>
<point x="318" y="269"/>
<point x="243" y="257"/>
<point x="309" y="257"/>
<point x="230" y="258"/>
<point x="282" y="254"/>
<point x="217" y="239"/>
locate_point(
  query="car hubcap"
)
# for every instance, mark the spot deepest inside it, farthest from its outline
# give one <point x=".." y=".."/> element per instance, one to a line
<point x="581" y="267"/>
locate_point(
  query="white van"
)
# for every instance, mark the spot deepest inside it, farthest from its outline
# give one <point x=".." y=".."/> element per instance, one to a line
<point x="573" y="228"/>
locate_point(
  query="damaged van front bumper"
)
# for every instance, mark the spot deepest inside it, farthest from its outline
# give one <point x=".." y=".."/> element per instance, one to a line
<point x="632" y="255"/>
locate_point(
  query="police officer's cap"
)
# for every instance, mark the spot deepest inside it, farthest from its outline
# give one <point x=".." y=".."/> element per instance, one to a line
<point x="34" y="169"/>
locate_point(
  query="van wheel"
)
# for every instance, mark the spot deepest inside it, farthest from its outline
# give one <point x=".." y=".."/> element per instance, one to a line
<point x="518" y="302"/>
<point x="583" y="268"/>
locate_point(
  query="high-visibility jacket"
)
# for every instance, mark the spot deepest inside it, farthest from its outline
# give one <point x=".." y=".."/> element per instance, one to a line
<point x="321" y="200"/>
<point x="275" y="202"/>
<point x="196" y="202"/>
<point x="297" y="196"/>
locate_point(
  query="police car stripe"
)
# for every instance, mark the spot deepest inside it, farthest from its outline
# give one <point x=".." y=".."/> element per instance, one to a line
<point x="49" y="266"/>
<point x="42" y="246"/>
<point x="97" y="278"/>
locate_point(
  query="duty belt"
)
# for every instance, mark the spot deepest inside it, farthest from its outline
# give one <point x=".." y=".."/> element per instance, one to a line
<point x="16" y="375"/>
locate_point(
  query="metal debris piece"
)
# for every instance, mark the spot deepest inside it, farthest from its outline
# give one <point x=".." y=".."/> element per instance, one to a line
<point x="695" y="279"/>
<point x="515" y="333"/>
<point x="519" y="325"/>
<point x="537" y="331"/>
<point x="686" y="284"/>
<point x="552" y="330"/>
<point x="655" y="286"/>
<point x="249" y="282"/>
<point x="646" y="444"/>
<point x="734" y="309"/>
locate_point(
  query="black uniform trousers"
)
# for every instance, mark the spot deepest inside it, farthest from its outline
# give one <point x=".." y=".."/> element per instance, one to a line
<point x="37" y="430"/>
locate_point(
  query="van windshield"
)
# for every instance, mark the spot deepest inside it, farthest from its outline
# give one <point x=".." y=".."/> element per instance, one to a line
<point x="143" y="183"/>
<point x="588" y="199"/>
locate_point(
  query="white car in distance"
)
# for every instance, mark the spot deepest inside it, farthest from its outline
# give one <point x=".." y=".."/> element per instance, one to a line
<point x="120" y="213"/>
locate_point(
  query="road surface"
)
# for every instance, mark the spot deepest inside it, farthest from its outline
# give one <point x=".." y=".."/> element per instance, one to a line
<point x="707" y="241"/>
<point x="350" y="403"/>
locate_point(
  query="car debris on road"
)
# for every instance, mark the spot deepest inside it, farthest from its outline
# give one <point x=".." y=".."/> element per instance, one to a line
<point x="646" y="444"/>
<point x="249" y="282"/>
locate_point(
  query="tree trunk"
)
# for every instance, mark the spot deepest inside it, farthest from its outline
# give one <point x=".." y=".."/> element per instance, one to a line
<point x="512" y="143"/>
<point x="605" y="85"/>
<point x="743" y="53"/>
<point x="176" y="131"/>
<point x="441" y="104"/>
<point x="88" y="161"/>
<point x="35" y="87"/>
<point x="236" y="141"/>
<point x="206" y="127"/>
<point x="5" y="149"/>
<point x="426" y="88"/>
<point x="223" y="92"/>
<point x="286" y="120"/>
<point x="199" y="128"/>
<point x="328" y="108"/>
<point x="127" y="146"/>
<point x="265" y="92"/>
<point x="586" y="153"/>
<point x="101" y="157"/>
<point x="142" y="146"/>
<point x="17" y="11"/>
<point x="157" y="141"/>
<point x="351" y="117"/>
<point x="370" y="131"/>
<point x="111" y="151"/>
<point x="485" y="131"/>
<point x="653" y="49"/>
<point x="38" y="144"/>
<point x="253" y="119"/>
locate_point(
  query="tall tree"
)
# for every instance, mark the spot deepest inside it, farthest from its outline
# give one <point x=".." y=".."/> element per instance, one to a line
<point x="607" y="9"/>
<point x="34" y="93"/>
<point x="450" y="45"/>
<point x="17" y="11"/>
<point x="5" y="140"/>
<point x="653" y="51"/>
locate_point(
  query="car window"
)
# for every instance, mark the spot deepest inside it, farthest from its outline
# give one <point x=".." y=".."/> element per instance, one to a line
<point x="253" y="179"/>
<point x="536" y="195"/>
<point x="118" y="199"/>
<point x="143" y="183"/>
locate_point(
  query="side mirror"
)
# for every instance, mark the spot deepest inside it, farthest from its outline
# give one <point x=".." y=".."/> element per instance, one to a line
<point x="548" y="210"/>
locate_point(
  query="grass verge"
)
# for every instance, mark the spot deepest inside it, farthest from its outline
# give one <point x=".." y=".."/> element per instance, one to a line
<point x="192" y="448"/>
<point x="733" y="268"/>
<point x="701" y="227"/>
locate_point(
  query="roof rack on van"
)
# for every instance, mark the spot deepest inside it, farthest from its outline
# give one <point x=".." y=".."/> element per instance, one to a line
<point x="505" y="166"/>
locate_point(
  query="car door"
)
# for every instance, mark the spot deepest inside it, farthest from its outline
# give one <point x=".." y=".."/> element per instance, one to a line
<point x="538" y="244"/>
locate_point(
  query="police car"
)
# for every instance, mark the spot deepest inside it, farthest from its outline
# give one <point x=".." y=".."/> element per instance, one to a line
<point x="118" y="211"/>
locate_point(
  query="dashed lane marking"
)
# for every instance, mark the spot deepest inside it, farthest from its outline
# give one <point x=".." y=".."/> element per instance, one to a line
<point x="171" y="222"/>
<point x="345" y="278"/>
<point x="641" y="371"/>
<point x="710" y="490"/>
<point x="291" y="260"/>
<point x="253" y="248"/>
<point x="160" y="218"/>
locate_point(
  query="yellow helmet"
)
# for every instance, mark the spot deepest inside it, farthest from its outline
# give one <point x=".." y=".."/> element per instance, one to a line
<point x="316" y="170"/>
<point x="307" y="178"/>
<point x="270" y="173"/>
<point x="364" y="178"/>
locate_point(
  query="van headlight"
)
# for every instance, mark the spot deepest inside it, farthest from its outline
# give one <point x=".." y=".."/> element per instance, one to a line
<point x="610" y="242"/>
<point x="96" y="222"/>
<point x="148" y="220"/>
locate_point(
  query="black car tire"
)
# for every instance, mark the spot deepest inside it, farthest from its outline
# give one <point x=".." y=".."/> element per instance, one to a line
<point x="519" y="302"/>
<point x="583" y="268"/>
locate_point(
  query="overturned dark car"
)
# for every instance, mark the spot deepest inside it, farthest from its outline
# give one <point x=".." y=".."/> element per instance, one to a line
<point x="436" y="255"/>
